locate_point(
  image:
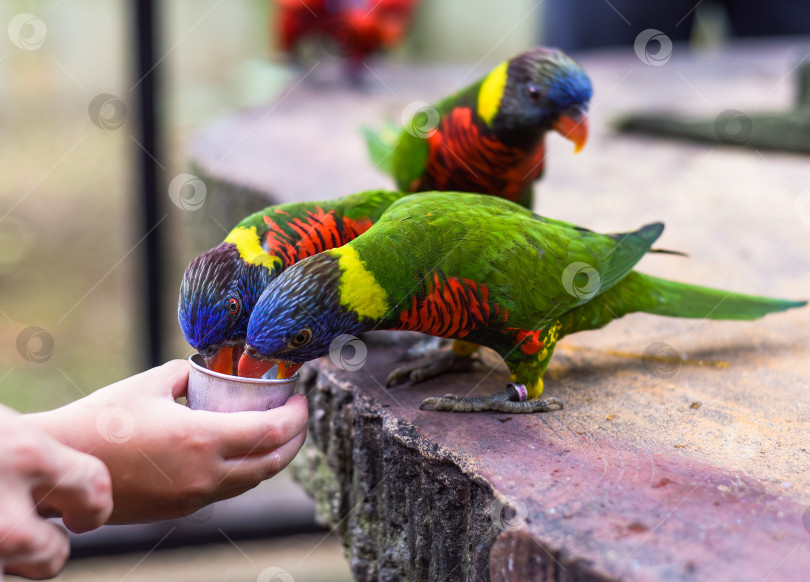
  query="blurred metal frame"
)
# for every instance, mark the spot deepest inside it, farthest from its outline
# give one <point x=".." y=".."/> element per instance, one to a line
<point x="147" y="129"/>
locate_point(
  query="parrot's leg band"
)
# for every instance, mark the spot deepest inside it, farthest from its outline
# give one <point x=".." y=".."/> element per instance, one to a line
<point x="517" y="392"/>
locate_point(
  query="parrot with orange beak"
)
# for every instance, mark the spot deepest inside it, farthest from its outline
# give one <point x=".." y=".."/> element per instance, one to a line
<point x="489" y="137"/>
<point x="478" y="269"/>
<point x="221" y="285"/>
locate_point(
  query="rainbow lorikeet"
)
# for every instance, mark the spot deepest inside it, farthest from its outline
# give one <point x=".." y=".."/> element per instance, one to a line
<point x="489" y="137"/>
<point x="351" y="29"/>
<point x="479" y="269"/>
<point x="221" y="286"/>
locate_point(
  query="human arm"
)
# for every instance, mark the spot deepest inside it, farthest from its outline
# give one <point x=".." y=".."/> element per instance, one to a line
<point x="40" y="476"/>
<point x="167" y="460"/>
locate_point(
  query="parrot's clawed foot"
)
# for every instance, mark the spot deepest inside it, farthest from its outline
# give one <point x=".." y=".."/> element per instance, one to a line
<point x="508" y="401"/>
<point x="440" y="363"/>
<point x="424" y="347"/>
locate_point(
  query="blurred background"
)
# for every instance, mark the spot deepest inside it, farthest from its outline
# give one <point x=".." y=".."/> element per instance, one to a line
<point x="70" y="209"/>
<point x="72" y="234"/>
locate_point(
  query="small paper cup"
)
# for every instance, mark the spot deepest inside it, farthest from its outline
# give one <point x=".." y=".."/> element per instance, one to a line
<point x="208" y="390"/>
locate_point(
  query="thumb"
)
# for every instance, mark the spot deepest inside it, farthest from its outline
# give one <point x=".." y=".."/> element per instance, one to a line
<point x="170" y="379"/>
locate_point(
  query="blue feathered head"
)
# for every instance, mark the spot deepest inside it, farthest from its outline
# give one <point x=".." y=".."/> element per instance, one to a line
<point x="545" y="90"/>
<point x="297" y="318"/>
<point x="217" y="295"/>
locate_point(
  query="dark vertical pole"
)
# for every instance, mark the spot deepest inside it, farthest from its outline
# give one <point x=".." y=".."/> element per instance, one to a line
<point x="147" y="80"/>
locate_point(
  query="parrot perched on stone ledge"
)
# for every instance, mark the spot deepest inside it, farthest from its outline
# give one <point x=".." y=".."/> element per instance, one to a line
<point x="479" y="269"/>
<point x="489" y="137"/>
<point x="221" y="286"/>
<point x="519" y="101"/>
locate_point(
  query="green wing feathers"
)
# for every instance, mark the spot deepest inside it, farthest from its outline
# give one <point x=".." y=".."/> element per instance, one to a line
<point x="638" y="292"/>
<point x="371" y="204"/>
<point x="398" y="153"/>
<point x="630" y="248"/>
<point x="409" y="160"/>
<point x="381" y="146"/>
<point x="537" y="269"/>
<point x="673" y="299"/>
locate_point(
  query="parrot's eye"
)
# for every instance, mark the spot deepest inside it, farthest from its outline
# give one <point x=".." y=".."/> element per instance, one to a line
<point x="534" y="92"/>
<point x="234" y="307"/>
<point x="302" y="338"/>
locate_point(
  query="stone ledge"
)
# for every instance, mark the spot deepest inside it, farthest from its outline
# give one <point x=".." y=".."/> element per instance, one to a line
<point x="415" y="495"/>
<point x="693" y="473"/>
<point x="406" y="507"/>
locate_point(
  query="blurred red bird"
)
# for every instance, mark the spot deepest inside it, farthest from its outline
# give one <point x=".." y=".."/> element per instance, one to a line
<point x="349" y="29"/>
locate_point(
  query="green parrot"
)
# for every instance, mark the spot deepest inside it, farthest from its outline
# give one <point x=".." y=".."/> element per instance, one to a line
<point x="221" y="285"/>
<point x="478" y="269"/>
<point x="489" y="136"/>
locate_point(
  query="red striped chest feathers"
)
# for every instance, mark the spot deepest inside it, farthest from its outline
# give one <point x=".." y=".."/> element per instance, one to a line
<point x="465" y="158"/>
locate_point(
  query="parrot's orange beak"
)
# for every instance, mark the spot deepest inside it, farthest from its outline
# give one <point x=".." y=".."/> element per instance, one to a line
<point x="287" y="369"/>
<point x="225" y="360"/>
<point x="573" y="125"/>
<point x="251" y="366"/>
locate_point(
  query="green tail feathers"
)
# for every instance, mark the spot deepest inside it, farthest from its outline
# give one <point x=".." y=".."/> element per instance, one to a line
<point x="381" y="146"/>
<point x="664" y="297"/>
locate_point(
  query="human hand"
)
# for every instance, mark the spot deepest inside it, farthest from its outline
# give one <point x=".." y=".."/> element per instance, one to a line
<point x="167" y="460"/>
<point x="39" y="476"/>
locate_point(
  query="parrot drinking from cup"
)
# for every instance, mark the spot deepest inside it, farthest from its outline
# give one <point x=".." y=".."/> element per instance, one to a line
<point x="490" y="136"/>
<point x="220" y="286"/>
<point x="478" y="269"/>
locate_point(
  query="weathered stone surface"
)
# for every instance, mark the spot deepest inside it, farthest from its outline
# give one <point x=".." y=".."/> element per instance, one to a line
<point x="397" y="500"/>
<point x="423" y="495"/>
<point x="688" y="468"/>
<point x="516" y="555"/>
